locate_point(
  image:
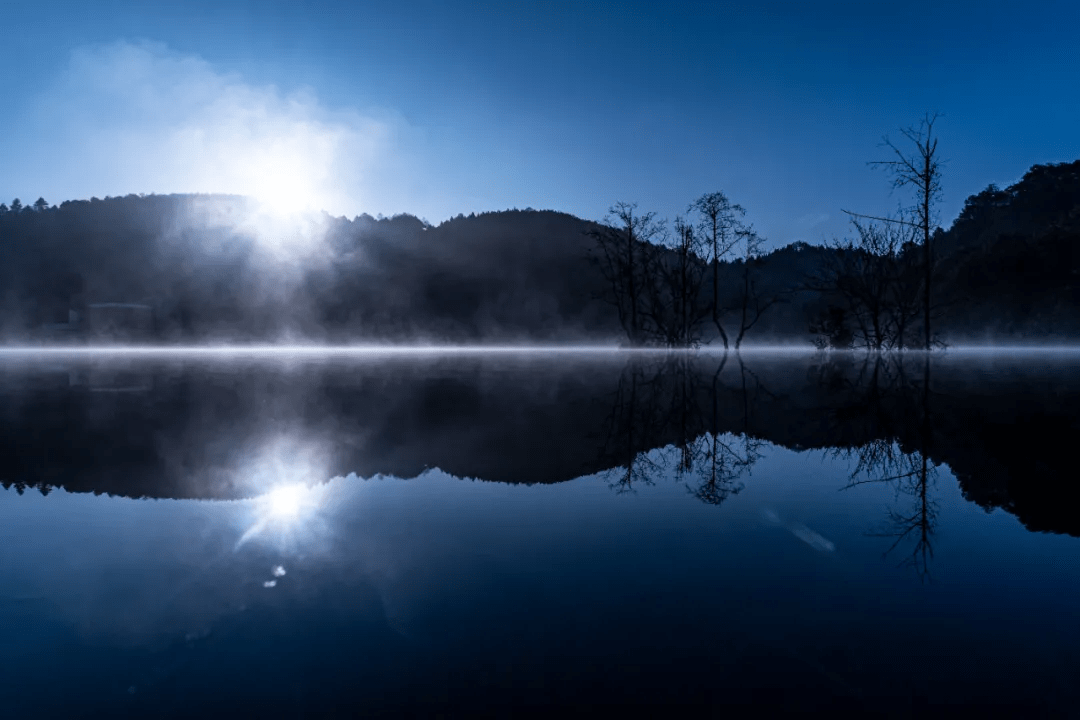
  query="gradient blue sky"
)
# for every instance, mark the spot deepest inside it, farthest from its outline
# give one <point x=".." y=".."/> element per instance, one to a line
<point x="437" y="108"/>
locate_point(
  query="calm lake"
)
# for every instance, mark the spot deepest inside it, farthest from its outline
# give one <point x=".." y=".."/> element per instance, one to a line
<point x="470" y="534"/>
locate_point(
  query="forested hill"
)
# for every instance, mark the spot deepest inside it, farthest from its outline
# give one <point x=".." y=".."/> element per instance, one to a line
<point x="206" y="270"/>
<point x="516" y="275"/>
<point x="1010" y="264"/>
<point x="185" y="268"/>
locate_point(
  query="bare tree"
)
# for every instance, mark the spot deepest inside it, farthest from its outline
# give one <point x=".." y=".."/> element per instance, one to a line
<point x="872" y="285"/>
<point x="690" y="275"/>
<point x="904" y="302"/>
<point x="674" y="308"/>
<point x="752" y="302"/>
<point x="718" y="219"/>
<point x="624" y="240"/>
<point x="919" y="169"/>
<point x="868" y="275"/>
<point x="656" y="279"/>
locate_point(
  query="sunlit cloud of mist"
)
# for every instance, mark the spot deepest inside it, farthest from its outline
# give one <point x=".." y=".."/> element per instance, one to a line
<point x="140" y="118"/>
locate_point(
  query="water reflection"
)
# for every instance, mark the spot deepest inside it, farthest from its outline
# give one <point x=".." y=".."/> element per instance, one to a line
<point x="287" y="512"/>
<point x="675" y="399"/>
<point x="285" y="503"/>
<point x="235" y="429"/>
<point x="883" y="397"/>
<point x="640" y="500"/>
<point x="912" y="520"/>
<point x="800" y="531"/>
<point x="889" y="398"/>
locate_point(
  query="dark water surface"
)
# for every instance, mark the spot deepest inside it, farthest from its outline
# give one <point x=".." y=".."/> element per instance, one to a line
<point x="470" y="535"/>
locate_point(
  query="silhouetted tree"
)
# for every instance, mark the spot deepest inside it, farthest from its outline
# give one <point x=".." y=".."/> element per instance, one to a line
<point x="718" y="219"/>
<point x="674" y="309"/>
<point x="920" y="170"/>
<point x="16" y="206"/>
<point x="831" y="329"/>
<point x="656" y="283"/>
<point x="40" y="205"/>
<point x="624" y="239"/>
<point x="752" y="302"/>
<point x="867" y="274"/>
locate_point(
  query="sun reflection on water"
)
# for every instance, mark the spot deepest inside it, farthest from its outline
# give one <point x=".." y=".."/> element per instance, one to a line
<point x="287" y="512"/>
<point x="286" y="502"/>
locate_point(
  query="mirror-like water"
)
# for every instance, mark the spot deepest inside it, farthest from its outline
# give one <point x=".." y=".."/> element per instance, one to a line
<point x="482" y="534"/>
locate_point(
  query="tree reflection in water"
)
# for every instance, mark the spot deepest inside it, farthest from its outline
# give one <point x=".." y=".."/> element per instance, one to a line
<point x="701" y="419"/>
<point x="879" y="415"/>
<point x="888" y="394"/>
<point x="721" y="460"/>
<point x="913" y="520"/>
<point x="671" y="401"/>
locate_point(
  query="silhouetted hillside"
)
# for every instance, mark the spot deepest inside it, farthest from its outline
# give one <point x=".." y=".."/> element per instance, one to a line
<point x="1007" y="270"/>
<point x="207" y="270"/>
<point x="1010" y="264"/>
<point x="497" y="276"/>
<point x="184" y="268"/>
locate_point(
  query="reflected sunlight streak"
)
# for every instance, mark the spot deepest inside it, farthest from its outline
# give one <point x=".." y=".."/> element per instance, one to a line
<point x="285" y="502"/>
<point x="285" y="510"/>
<point x="288" y="475"/>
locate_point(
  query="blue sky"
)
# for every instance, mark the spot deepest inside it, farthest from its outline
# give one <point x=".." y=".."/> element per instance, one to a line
<point x="437" y="108"/>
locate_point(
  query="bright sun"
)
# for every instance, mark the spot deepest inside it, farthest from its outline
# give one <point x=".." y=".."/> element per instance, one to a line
<point x="285" y="502"/>
<point x="284" y="193"/>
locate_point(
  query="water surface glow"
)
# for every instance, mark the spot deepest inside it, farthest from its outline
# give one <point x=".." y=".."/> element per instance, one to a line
<point x="288" y="515"/>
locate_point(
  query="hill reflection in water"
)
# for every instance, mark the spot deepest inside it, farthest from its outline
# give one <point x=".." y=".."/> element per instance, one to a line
<point x="228" y="428"/>
<point x="810" y="532"/>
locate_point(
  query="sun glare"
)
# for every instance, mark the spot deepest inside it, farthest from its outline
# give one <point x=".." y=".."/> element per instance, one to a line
<point x="284" y="192"/>
<point x="287" y="511"/>
<point x="285" y="223"/>
<point x="293" y="172"/>
<point x="285" y="502"/>
<point x="290" y="504"/>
